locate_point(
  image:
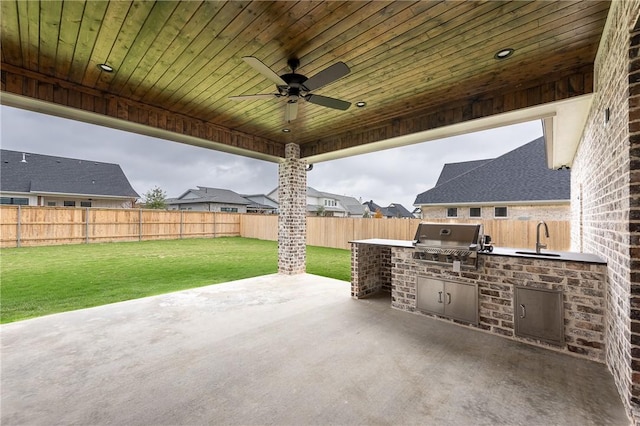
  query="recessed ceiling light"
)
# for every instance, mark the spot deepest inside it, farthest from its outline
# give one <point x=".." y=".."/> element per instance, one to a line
<point x="361" y="104"/>
<point x="105" y="67"/>
<point x="286" y="130"/>
<point x="504" y="53"/>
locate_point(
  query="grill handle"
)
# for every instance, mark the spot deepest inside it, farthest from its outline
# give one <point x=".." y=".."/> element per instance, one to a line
<point x="439" y="297"/>
<point x="449" y="296"/>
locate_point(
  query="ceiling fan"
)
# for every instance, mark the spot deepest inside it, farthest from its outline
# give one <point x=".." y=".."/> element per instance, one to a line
<point x="296" y="86"/>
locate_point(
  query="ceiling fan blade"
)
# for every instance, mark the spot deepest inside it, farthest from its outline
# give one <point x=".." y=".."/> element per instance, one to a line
<point x="291" y="111"/>
<point x="259" y="66"/>
<point x="327" y="75"/>
<point x="250" y="97"/>
<point x="328" y="102"/>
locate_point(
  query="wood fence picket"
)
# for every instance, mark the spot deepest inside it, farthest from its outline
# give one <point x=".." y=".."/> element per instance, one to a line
<point x="33" y="226"/>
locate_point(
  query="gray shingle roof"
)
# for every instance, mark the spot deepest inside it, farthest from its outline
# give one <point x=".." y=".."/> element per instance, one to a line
<point x="211" y="195"/>
<point x="519" y="175"/>
<point x="393" y="210"/>
<point x="398" y="210"/>
<point x="314" y="193"/>
<point x="373" y="207"/>
<point x="352" y="205"/>
<point x="49" y="174"/>
<point x="257" y="201"/>
<point x="452" y="170"/>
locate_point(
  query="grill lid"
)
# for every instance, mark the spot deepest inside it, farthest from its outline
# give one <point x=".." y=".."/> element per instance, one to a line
<point x="458" y="236"/>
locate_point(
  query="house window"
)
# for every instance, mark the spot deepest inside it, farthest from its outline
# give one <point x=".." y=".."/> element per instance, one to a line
<point x="69" y="204"/>
<point x="452" y="212"/>
<point x="85" y="203"/>
<point x="500" y="212"/>
<point x="16" y="201"/>
<point x="229" y="209"/>
<point x="330" y="203"/>
<point x="475" y="212"/>
<point x="51" y="204"/>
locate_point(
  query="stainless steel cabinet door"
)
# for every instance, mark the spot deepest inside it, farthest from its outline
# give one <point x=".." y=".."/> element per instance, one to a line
<point x="430" y="295"/>
<point x="461" y="301"/>
<point x="539" y="314"/>
<point x="447" y="298"/>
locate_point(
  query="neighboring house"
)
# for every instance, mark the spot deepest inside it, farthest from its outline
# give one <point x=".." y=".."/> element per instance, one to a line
<point x="210" y="200"/>
<point x="516" y="185"/>
<point x="372" y="208"/>
<point x="394" y="210"/>
<point x="417" y="213"/>
<point x="328" y="204"/>
<point x="43" y="180"/>
<point x="260" y="203"/>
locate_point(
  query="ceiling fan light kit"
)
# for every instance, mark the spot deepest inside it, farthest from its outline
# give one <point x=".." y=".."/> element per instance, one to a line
<point x="294" y="86"/>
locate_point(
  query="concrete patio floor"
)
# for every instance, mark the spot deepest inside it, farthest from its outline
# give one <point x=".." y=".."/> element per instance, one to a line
<point x="286" y="350"/>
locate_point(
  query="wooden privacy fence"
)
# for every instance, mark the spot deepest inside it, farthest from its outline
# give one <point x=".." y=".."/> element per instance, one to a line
<point x="337" y="232"/>
<point x="31" y="226"/>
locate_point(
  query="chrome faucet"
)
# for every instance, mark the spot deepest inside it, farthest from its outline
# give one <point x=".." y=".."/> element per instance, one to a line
<point x="546" y="232"/>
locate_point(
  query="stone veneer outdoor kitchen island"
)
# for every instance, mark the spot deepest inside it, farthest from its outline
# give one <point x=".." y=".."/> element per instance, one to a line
<point x="391" y="265"/>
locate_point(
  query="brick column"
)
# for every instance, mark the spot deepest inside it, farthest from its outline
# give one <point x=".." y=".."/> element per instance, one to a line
<point x="292" y="221"/>
<point x="370" y="269"/>
<point x="634" y="216"/>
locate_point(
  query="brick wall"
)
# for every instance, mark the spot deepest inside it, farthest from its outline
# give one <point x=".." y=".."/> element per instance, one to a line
<point x="634" y="211"/>
<point x="583" y="287"/>
<point x="604" y="196"/>
<point x="370" y="269"/>
<point x="521" y="212"/>
<point x="292" y="222"/>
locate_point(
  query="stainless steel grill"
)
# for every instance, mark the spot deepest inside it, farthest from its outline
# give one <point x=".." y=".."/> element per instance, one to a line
<point x="448" y="243"/>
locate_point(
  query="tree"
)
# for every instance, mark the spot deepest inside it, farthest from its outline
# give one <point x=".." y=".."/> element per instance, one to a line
<point x="155" y="199"/>
<point x="378" y="214"/>
<point x="321" y="212"/>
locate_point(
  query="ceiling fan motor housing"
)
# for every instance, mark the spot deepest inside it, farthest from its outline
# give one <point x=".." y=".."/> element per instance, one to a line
<point x="294" y="84"/>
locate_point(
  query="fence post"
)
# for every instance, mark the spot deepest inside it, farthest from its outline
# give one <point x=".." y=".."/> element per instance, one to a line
<point x="140" y="225"/>
<point x="214" y="224"/>
<point x="181" y="220"/>
<point x="86" y="226"/>
<point x="19" y="228"/>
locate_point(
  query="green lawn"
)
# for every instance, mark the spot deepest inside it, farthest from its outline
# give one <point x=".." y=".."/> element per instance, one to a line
<point x="37" y="281"/>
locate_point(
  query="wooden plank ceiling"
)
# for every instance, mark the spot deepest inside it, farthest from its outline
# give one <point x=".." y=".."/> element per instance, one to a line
<point x="417" y="65"/>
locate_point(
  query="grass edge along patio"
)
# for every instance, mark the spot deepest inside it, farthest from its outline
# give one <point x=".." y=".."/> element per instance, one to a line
<point x="36" y="281"/>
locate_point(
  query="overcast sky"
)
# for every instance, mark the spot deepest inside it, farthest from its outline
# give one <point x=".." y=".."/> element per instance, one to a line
<point x="392" y="176"/>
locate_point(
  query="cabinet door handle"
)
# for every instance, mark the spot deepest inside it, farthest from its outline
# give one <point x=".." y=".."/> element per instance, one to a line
<point x="524" y="312"/>
<point x="449" y="296"/>
<point x="439" y="297"/>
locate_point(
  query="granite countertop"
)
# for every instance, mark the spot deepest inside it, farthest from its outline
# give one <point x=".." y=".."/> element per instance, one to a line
<point x="384" y="242"/>
<point x="566" y="256"/>
<point x="569" y="256"/>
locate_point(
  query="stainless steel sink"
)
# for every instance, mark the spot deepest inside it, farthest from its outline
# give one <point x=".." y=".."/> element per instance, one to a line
<point x="533" y="253"/>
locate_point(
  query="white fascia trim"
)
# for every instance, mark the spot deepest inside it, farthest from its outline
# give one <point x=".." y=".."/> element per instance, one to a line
<point x="93" y="196"/>
<point x="13" y="193"/>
